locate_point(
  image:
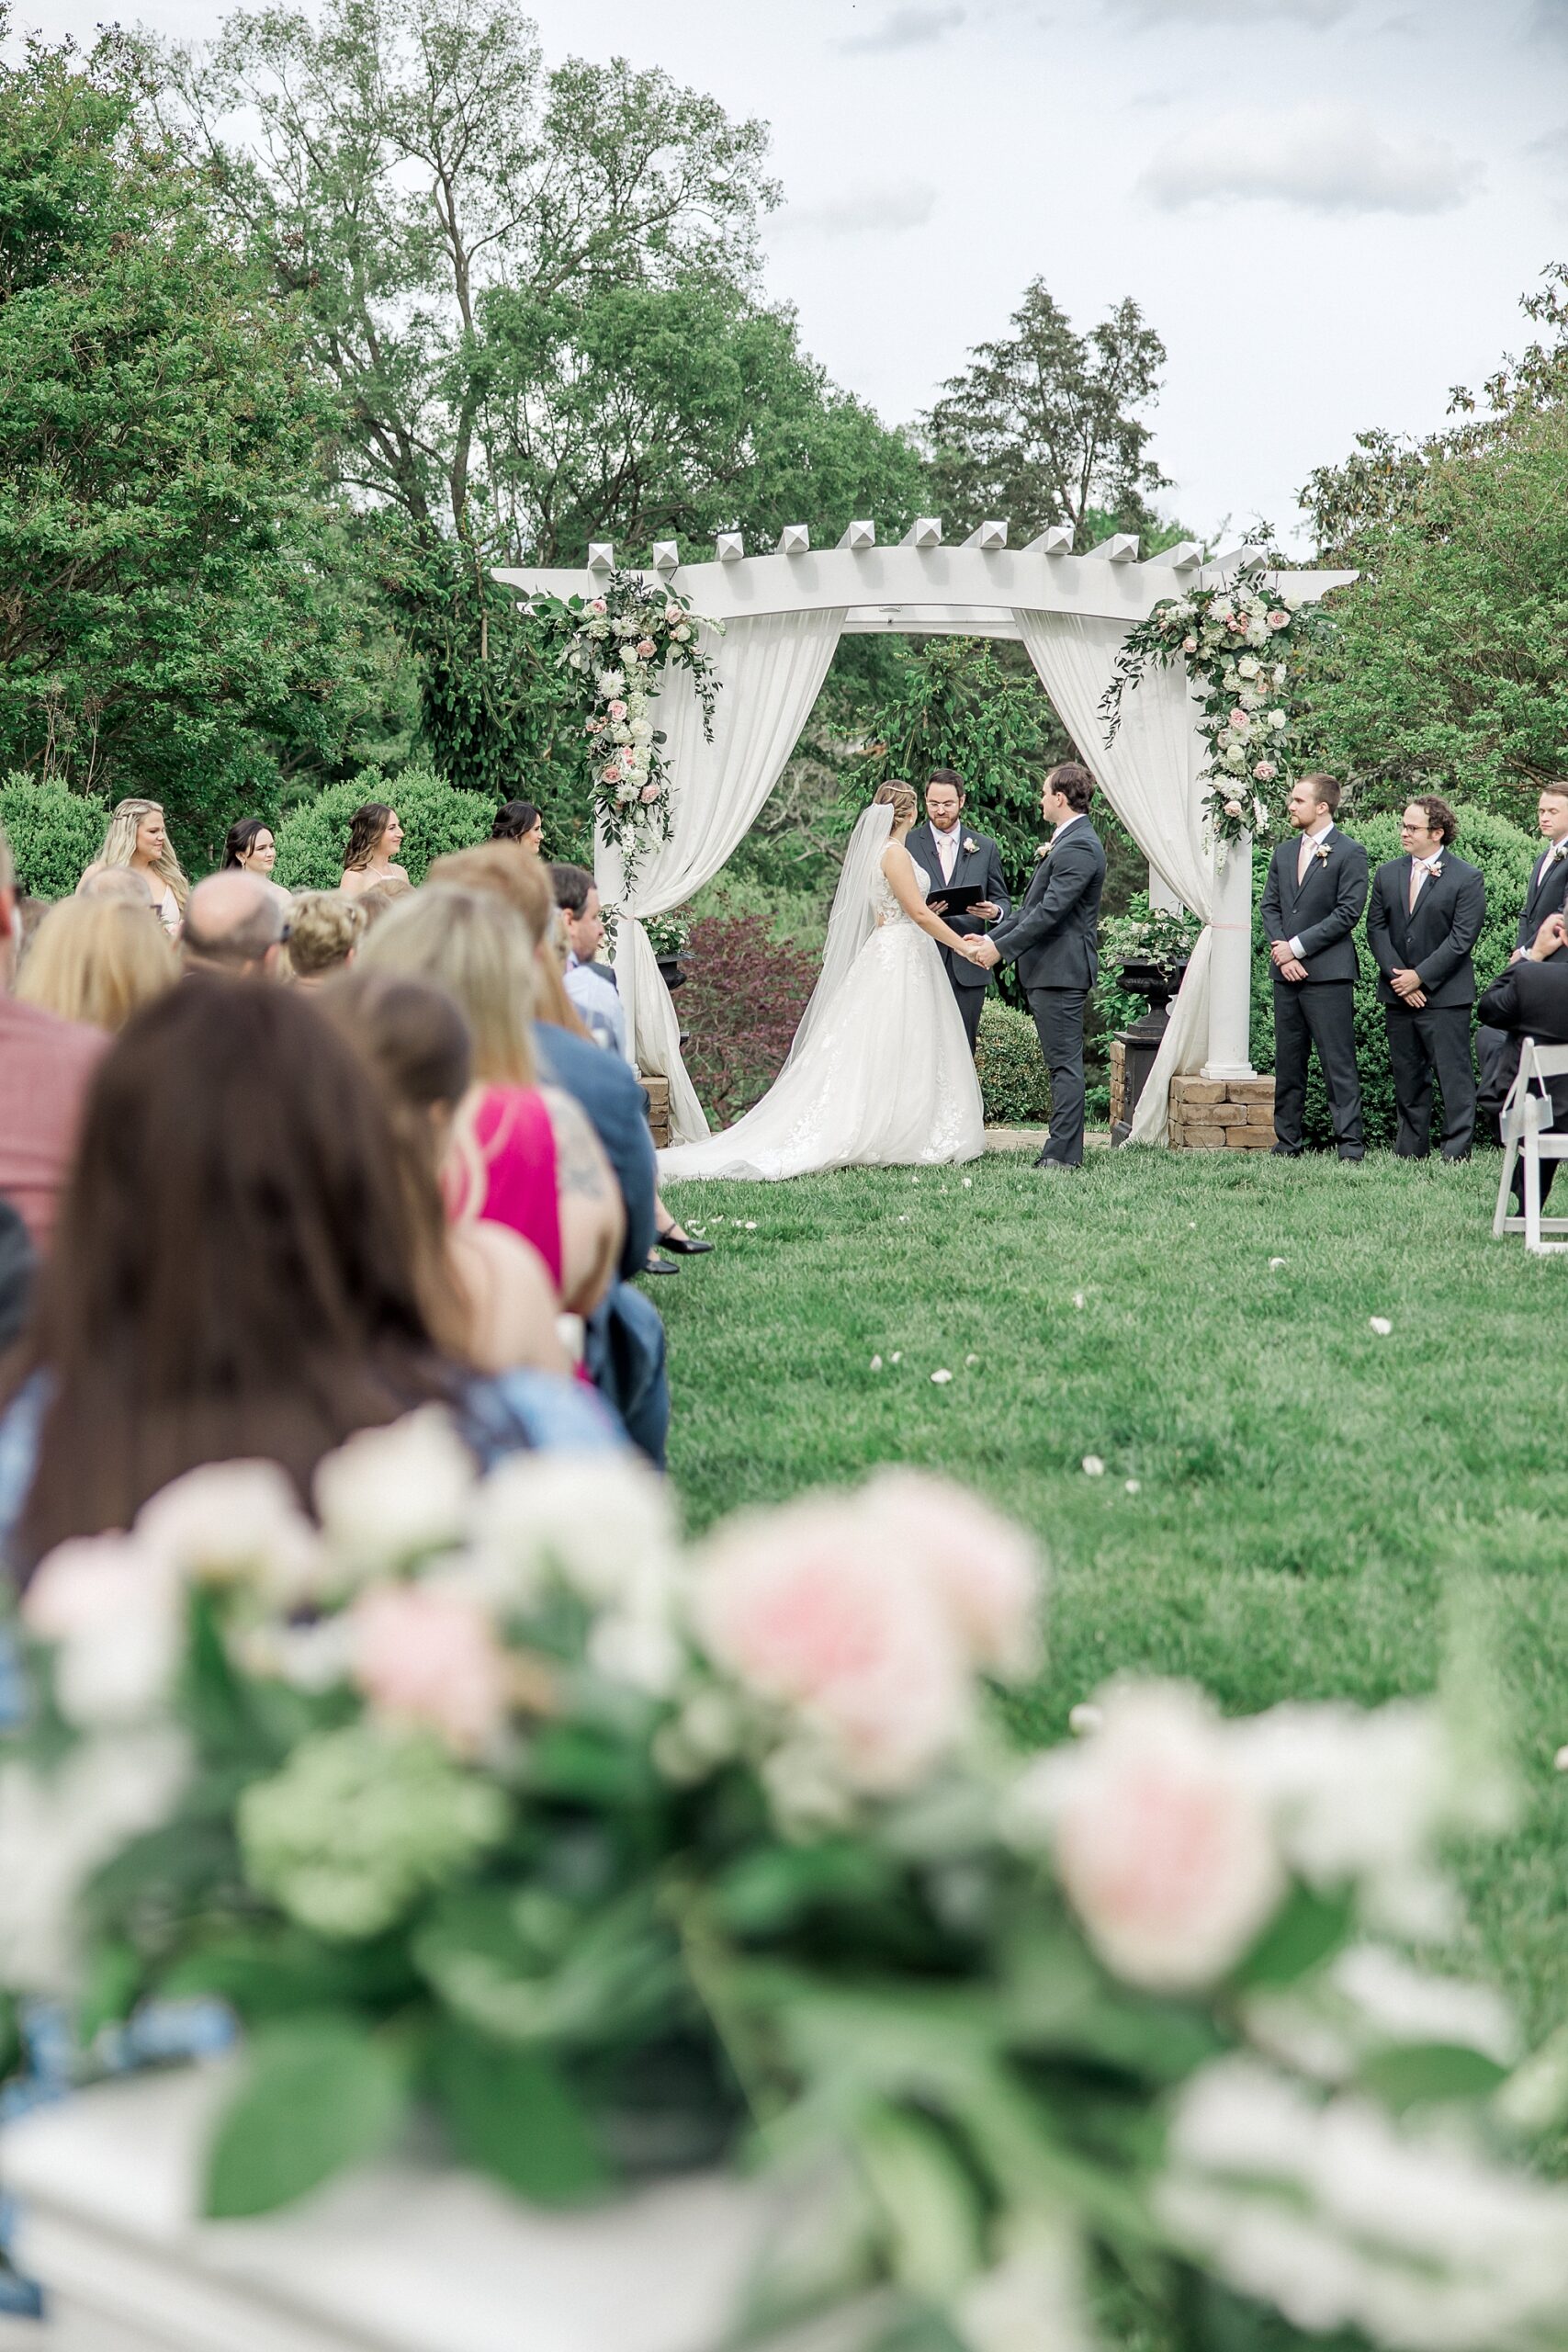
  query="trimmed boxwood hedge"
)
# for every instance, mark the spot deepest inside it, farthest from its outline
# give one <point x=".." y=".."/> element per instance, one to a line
<point x="1505" y="853"/>
<point x="54" y="833"/>
<point x="1014" y="1084"/>
<point x="436" y="818"/>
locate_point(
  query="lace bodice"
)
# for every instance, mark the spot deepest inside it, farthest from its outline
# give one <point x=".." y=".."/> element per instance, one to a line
<point x="884" y="901"/>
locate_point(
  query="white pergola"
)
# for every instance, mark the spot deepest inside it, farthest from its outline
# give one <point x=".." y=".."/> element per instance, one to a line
<point x="784" y="613"/>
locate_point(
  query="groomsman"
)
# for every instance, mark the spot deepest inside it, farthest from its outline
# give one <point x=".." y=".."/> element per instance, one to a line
<point x="951" y="853"/>
<point x="1312" y="901"/>
<point x="1423" y="920"/>
<point x="1547" y="895"/>
<point x="1054" y="940"/>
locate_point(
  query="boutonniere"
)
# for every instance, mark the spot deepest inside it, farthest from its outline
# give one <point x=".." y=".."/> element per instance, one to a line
<point x="1044" y="850"/>
<point x="1320" y="855"/>
<point x="971" y="846"/>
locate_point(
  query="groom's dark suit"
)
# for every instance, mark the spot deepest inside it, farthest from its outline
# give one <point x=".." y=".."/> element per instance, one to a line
<point x="1054" y="940"/>
<point x="981" y="866"/>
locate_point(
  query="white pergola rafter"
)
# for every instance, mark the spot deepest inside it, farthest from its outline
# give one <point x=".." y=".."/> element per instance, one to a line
<point x="922" y="588"/>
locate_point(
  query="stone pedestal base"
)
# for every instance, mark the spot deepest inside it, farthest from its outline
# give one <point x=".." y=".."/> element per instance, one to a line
<point x="1118" y="1084"/>
<point x="657" y="1092"/>
<point x="1222" y="1115"/>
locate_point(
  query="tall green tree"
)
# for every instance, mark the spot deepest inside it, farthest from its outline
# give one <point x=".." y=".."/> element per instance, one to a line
<point x="1046" y="425"/>
<point x="169" y="615"/>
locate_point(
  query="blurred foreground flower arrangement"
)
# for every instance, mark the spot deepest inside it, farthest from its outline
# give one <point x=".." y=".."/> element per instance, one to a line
<point x="624" y="1856"/>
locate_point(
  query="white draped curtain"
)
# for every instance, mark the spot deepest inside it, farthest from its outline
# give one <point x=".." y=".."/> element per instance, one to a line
<point x="1150" y="776"/>
<point x="770" y="671"/>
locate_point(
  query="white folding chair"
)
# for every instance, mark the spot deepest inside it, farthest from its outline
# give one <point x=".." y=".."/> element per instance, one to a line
<point x="1527" y="1130"/>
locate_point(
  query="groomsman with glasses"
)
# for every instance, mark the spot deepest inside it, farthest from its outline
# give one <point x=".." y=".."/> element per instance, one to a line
<point x="1423" y="920"/>
<point x="1312" y="902"/>
<point x="1497" y="1050"/>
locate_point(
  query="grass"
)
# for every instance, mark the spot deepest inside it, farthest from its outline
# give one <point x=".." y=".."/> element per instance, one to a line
<point x="1306" y="1491"/>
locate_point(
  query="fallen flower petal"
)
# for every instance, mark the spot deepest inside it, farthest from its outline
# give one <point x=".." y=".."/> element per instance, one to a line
<point x="1093" y="1466"/>
<point x="941" y="1378"/>
<point x="1380" y="1325"/>
<point x="876" y="1364"/>
<point x="1085" y="1718"/>
<point x="1133" y="1486"/>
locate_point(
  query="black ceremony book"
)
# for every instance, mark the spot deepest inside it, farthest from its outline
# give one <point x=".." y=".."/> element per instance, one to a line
<point x="956" y="898"/>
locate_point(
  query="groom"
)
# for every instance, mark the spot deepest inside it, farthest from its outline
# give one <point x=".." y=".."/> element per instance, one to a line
<point x="950" y="854"/>
<point x="1054" y="941"/>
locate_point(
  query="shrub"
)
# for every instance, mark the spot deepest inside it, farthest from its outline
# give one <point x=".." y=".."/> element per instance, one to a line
<point x="436" y="818"/>
<point x="742" y="1001"/>
<point x="1505" y="855"/>
<point x="1014" y="1085"/>
<point x="54" y="833"/>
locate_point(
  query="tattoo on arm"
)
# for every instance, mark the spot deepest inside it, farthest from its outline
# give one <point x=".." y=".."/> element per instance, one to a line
<point x="580" y="1165"/>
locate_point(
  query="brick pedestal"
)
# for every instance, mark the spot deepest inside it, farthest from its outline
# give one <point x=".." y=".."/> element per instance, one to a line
<point x="657" y="1092"/>
<point x="1222" y="1113"/>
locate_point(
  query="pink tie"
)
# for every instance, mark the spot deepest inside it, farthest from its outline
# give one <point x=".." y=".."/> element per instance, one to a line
<point x="1417" y="875"/>
<point x="1303" y="860"/>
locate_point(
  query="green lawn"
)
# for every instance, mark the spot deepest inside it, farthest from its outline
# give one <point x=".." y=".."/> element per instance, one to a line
<point x="1305" y="1489"/>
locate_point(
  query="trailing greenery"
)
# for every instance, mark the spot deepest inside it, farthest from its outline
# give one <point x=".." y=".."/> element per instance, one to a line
<point x="1505" y="855"/>
<point x="54" y="833"/>
<point x="434" y="819"/>
<point x="1015" y="1087"/>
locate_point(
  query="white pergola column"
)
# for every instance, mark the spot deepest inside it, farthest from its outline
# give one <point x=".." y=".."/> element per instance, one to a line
<point x="1230" y="973"/>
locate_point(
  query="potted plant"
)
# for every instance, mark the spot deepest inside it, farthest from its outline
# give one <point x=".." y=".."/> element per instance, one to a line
<point x="669" y="936"/>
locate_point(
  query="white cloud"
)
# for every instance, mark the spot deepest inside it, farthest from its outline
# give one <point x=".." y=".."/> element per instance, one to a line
<point x="1236" y="13"/>
<point x="1328" y="159"/>
<point x="908" y="27"/>
<point x="1553" y="145"/>
<point x="885" y="211"/>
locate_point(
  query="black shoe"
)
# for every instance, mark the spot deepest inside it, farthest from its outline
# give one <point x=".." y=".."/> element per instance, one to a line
<point x="1285" y="1151"/>
<point x="1351" y="1151"/>
<point x="681" y="1244"/>
<point x="658" y="1265"/>
<point x="1066" y="1167"/>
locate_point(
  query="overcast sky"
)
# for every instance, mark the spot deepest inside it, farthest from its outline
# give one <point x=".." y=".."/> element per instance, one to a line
<point x="1327" y="208"/>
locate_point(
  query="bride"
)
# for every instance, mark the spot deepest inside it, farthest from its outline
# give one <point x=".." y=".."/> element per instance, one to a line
<point x="880" y="1074"/>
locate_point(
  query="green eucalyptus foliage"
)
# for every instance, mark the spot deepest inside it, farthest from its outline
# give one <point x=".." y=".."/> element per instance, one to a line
<point x="434" y="819"/>
<point x="170" y="621"/>
<point x="54" y="833"/>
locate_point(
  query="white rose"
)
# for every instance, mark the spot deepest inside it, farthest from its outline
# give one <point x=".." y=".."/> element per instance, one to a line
<point x="603" y="1522"/>
<point x="114" y="1611"/>
<point x="391" y="1495"/>
<point x="682" y="634"/>
<point x="641" y="730"/>
<point x="1247" y="666"/>
<point x="1163" y="1846"/>
<point x="1237" y="757"/>
<point x="232" y="1521"/>
<point x="1278" y="722"/>
<point x="57" y="1829"/>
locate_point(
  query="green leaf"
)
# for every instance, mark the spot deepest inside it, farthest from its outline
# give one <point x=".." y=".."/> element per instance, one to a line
<point x="282" y="1972"/>
<point x="770" y="1888"/>
<point x="1419" y="2071"/>
<point x="114" y="1979"/>
<point x="318" y="2093"/>
<point x="929" y="2203"/>
<point x="513" y="2114"/>
<point x="1310" y="1930"/>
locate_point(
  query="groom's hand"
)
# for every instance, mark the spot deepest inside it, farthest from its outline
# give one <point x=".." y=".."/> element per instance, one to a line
<point x="984" y="953"/>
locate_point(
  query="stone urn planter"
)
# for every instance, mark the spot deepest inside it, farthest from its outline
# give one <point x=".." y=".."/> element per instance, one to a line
<point x="1140" y="1042"/>
<point x="408" y="2255"/>
<point x="672" y="971"/>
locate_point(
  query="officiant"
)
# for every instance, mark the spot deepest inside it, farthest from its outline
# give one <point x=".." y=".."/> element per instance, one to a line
<point x="969" y="866"/>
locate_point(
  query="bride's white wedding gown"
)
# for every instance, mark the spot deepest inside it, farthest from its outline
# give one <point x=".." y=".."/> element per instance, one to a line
<point x="883" y="1079"/>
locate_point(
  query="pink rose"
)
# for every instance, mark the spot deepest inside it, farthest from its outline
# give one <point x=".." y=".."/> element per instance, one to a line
<point x="424" y="1655"/>
<point x="649" y="794"/>
<point x="1189" y="645"/>
<point x="1237" y="621"/>
<point x="1265" y="771"/>
<point x="1240" y="720"/>
<point x="1162" y="1844"/>
<point x="810" y="1612"/>
<point x="612" y="775"/>
<point x="1279" y="621"/>
<point x="617" y="711"/>
<point x="672" y="613"/>
<point x="645" y="649"/>
<point x="597" y="606"/>
<point x="983" y="1568"/>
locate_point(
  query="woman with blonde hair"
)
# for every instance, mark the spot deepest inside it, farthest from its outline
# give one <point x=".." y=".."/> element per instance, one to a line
<point x="324" y="932"/>
<point x="96" y="960"/>
<point x="880" y="1073"/>
<point x="138" y="838"/>
<point x="523" y="1155"/>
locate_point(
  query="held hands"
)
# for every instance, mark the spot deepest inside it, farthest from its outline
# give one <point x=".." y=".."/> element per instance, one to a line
<point x="981" y="952"/>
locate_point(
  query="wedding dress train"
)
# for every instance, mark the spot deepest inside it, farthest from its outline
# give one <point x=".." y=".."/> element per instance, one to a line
<point x="880" y="1074"/>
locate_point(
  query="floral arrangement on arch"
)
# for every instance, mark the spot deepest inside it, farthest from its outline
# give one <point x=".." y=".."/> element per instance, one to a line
<point x="624" y="1854"/>
<point x="619" y="643"/>
<point x="1241" y="646"/>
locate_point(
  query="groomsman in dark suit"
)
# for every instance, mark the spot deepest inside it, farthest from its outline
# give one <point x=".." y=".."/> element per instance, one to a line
<point x="952" y="853"/>
<point x="1496" y="1052"/>
<point x="1312" y="901"/>
<point x="1423" y="920"/>
<point x="1054" y="940"/>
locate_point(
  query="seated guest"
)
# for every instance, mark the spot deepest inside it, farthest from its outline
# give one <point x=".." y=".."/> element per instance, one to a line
<point x="1498" y="1056"/>
<point x="324" y="932"/>
<point x="1424" y="916"/>
<point x="18" y="1266"/>
<point x="125" y="883"/>
<point x="239" y="1277"/>
<point x="235" y="924"/>
<point x="520" y="821"/>
<point x="45" y="1064"/>
<point x="496" y="1297"/>
<point x="1530" y="1000"/>
<point x="97" y="962"/>
<point x="590" y="985"/>
<point x="523" y="1155"/>
<point x="30" y="913"/>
